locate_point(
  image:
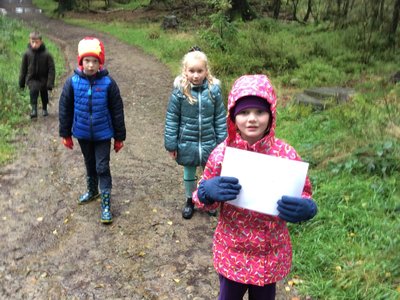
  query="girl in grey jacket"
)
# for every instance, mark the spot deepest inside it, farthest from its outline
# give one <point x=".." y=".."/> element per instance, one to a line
<point x="195" y="120"/>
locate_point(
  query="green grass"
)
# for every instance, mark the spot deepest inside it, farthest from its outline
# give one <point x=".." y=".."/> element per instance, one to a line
<point x="350" y="250"/>
<point x="15" y="103"/>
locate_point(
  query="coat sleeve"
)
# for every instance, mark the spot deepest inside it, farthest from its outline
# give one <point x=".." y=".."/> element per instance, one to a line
<point x="219" y="115"/>
<point x="23" y="71"/>
<point x="66" y="109"/>
<point x="51" y="75"/>
<point x="116" y="107"/>
<point x="172" y="122"/>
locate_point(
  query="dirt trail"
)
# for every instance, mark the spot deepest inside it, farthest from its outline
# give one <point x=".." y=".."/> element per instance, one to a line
<point x="51" y="248"/>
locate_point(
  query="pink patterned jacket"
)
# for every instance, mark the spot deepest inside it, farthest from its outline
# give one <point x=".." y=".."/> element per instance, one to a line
<point x="250" y="247"/>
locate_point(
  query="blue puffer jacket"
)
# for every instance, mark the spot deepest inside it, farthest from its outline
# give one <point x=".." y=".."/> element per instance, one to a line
<point x="91" y="108"/>
<point x="195" y="130"/>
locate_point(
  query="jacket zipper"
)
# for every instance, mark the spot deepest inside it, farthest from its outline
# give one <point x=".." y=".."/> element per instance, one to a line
<point x="200" y="126"/>
<point x="90" y="111"/>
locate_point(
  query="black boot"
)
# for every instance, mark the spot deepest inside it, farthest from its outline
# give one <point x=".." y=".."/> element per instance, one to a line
<point x="34" y="111"/>
<point x="44" y="110"/>
<point x="92" y="190"/>
<point x="188" y="209"/>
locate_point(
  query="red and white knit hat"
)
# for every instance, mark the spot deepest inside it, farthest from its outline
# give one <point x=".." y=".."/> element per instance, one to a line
<point x="91" y="46"/>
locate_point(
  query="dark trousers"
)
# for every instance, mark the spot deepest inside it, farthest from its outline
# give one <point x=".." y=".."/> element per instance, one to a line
<point x="231" y="290"/>
<point x="44" y="95"/>
<point x="97" y="161"/>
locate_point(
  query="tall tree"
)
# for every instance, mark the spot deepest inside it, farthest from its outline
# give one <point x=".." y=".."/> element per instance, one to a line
<point x="63" y="6"/>
<point x="309" y="10"/>
<point x="277" y="8"/>
<point x="395" y="22"/>
<point x="243" y="9"/>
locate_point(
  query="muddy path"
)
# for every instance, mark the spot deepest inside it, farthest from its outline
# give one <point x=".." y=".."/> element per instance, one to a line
<point x="51" y="248"/>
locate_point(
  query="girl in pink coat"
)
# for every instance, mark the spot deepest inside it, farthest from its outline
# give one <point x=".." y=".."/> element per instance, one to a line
<point x="252" y="251"/>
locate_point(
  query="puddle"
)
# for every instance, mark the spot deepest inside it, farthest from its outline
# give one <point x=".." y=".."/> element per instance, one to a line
<point x="27" y="10"/>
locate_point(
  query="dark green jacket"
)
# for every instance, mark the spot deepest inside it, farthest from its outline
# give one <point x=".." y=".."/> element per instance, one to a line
<point x="194" y="130"/>
<point x="37" y="69"/>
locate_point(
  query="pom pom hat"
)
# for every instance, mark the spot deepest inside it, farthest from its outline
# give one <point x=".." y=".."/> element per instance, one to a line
<point x="91" y="46"/>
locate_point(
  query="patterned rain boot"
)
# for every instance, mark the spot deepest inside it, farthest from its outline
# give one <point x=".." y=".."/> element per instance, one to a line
<point x="188" y="209"/>
<point x="34" y="111"/>
<point x="92" y="190"/>
<point x="106" y="216"/>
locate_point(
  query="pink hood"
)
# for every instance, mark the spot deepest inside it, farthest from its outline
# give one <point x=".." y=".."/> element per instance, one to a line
<point x="252" y="85"/>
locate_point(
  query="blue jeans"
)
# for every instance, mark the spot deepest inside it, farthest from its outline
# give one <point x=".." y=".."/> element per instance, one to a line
<point x="97" y="161"/>
<point x="231" y="290"/>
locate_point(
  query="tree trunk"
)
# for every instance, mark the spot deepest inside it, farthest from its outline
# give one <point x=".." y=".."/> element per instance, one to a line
<point x="295" y="3"/>
<point x="309" y="11"/>
<point x="63" y="6"/>
<point x="277" y="8"/>
<point x="395" y="22"/>
<point x="242" y="8"/>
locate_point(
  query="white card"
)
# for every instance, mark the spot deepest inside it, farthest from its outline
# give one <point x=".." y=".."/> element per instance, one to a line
<point x="264" y="178"/>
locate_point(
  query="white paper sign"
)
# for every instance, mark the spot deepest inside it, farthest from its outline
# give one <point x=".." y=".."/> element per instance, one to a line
<point x="264" y="178"/>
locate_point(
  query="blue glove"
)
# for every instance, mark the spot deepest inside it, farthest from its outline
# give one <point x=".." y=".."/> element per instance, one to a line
<point x="219" y="188"/>
<point x="293" y="209"/>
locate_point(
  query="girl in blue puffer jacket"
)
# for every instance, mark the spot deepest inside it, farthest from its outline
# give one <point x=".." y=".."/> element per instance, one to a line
<point x="195" y="120"/>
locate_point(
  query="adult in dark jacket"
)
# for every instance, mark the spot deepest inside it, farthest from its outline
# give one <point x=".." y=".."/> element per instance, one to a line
<point x="37" y="72"/>
<point x="91" y="110"/>
<point x="195" y="120"/>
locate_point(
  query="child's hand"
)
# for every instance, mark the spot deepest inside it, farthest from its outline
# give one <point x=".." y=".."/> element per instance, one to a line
<point x="219" y="188"/>
<point x="118" y="145"/>
<point x="68" y="142"/>
<point x="293" y="209"/>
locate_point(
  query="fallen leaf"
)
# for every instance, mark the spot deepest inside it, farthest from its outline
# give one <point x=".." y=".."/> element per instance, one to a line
<point x="177" y="280"/>
<point x="297" y="281"/>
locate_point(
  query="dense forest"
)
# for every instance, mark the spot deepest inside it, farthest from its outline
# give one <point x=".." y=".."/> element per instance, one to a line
<point x="374" y="16"/>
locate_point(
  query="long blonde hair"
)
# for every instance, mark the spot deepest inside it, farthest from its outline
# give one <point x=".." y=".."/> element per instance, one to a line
<point x="185" y="83"/>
